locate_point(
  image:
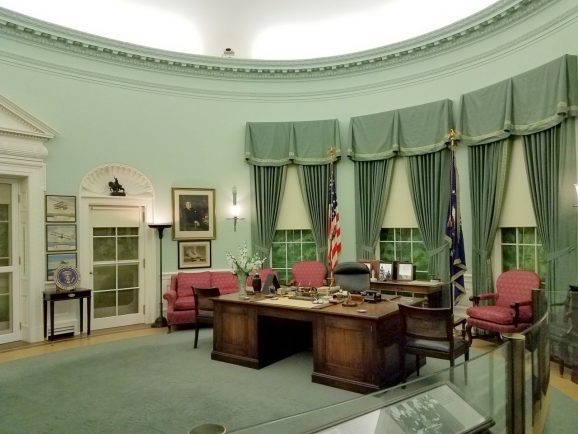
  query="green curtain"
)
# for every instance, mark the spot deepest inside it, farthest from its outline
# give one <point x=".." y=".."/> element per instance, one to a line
<point x="488" y="166"/>
<point x="267" y="186"/>
<point x="269" y="147"/>
<point x="551" y="167"/>
<point x="314" y="183"/>
<point x="429" y="181"/>
<point x="372" y="184"/>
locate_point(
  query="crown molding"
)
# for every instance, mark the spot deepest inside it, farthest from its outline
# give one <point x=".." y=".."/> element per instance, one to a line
<point x="479" y="26"/>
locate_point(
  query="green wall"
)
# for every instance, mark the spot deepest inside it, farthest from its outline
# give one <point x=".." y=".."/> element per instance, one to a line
<point x="187" y="130"/>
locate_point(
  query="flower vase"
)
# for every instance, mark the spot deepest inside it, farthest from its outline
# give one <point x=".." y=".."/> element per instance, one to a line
<point x="242" y="284"/>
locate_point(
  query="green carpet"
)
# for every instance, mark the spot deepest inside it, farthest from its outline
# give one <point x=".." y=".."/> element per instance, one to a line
<point x="160" y="384"/>
<point x="154" y="384"/>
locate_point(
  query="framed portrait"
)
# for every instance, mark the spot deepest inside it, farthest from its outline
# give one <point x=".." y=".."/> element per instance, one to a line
<point x="193" y="213"/>
<point x="55" y="260"/>
<point x="194" y="254"/>
<point x="386" y="271"/>
<point x="371" y="265"/>
<point x="60" y="209"/>
<point x="60" y="238"/>
<point x="405" y="271"/>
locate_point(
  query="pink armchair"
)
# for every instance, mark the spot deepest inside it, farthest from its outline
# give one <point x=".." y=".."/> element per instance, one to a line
<point x="512" y="309"/>
<point x="309" y="273"/>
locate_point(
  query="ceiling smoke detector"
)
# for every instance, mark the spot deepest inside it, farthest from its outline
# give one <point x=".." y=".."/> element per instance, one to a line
<point x="228" y="52"/>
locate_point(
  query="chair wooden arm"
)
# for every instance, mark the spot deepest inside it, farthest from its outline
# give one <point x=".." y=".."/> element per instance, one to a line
<point x="476" y="298"/>
<point x="516" y="306"/>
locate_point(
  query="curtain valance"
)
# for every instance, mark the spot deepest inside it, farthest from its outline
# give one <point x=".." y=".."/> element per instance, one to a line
<point x="527" y="103"/>
<point x="416" y="130"/>
<point x="282" y="143"/>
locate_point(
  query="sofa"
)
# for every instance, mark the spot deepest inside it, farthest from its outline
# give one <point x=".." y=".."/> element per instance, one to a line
<point x="179" y="297"/>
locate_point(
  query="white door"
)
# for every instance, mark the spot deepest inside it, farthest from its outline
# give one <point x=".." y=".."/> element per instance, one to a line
<point x="117" y="265"/>
<point x="9" y="269"/>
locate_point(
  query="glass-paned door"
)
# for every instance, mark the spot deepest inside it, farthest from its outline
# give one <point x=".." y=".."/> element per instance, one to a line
<point x="9" y="331"/>
<point x="117" y="266"/>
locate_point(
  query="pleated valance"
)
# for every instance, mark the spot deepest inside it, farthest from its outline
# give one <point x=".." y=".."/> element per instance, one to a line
<point x="281" y="143"/>
<point x="416" y="130"/>
<point x="525" y="104"/>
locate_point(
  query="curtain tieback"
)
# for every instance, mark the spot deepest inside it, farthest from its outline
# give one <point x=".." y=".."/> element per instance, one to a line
<point x="480" y="252"/>
<point x="558" y="254"/>
<point x="437" y="250"/>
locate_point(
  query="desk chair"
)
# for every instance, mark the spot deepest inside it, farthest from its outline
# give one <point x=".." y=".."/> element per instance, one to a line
<point x="352" y="276"/>
<point x="430" y="333"/>
<point x="203" y="307"/>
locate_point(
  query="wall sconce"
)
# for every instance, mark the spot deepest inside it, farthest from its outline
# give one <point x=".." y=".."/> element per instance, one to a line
<point x="576" y="187"/>
<point x="236" y="210"/>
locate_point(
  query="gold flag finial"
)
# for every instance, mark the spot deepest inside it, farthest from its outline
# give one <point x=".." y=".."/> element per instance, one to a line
<point x="331" y="151"/>
<point x="452" y="135"/>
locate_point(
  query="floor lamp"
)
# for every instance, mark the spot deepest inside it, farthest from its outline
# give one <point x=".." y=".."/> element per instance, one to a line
<point x="161" y="321"/>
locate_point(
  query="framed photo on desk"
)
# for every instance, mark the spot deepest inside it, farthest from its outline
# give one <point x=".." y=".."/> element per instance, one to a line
<point x="405" y="271"/>
<point x="386" y="271"/>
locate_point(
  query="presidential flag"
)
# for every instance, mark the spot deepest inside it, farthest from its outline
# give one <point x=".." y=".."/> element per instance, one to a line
<point x="455" y="237"/>
<point x="334" y="231"/>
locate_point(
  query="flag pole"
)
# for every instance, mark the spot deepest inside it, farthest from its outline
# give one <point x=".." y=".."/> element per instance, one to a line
<point x="331" y="152"/>
<point x="452" y="137"/>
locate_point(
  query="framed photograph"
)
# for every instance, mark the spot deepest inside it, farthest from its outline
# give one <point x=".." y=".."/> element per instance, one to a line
<point x="405" y="271"/>
<point x="60" y="238"/>
<point x="386" y="271"/>
<point x="439" y="409"/>
<point x="371" y="265"/>
<point x="193" y="213"/>
<point x="55" y="260"/>
<point x="60" y="209"/>
<point x="194" y="254"/>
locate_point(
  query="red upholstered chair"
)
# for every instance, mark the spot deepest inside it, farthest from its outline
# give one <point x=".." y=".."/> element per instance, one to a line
<point x="309" y="273"/>
<point x="512" y="307"/>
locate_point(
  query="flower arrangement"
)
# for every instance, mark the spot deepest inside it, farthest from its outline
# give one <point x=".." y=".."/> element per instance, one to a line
<point x="243" y="263"/>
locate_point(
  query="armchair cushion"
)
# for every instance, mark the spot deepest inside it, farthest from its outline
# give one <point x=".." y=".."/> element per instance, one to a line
<point x="498" y="314"/>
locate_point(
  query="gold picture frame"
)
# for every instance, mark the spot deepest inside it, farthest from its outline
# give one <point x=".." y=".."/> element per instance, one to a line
<point x="193" y="213"/>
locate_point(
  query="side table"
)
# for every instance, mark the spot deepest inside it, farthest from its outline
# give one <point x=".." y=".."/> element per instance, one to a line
<point x="53" y="296"/>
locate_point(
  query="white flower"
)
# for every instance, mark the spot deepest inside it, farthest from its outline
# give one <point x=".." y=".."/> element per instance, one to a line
<point x="243" y="263"/>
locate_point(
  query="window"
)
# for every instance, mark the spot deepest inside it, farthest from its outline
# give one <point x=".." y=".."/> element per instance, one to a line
<point x="404" y="244"/>
<point x="289" y="247"/>
<point x="521" y="250"/>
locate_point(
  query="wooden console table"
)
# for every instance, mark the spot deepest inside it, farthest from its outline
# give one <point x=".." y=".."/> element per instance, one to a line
<point x="354" y="348"/>
<point x="431" y="290"/>
<point x="53" y="296"/>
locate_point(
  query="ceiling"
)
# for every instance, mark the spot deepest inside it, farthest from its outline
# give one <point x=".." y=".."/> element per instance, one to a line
<point x="253" y="29"/>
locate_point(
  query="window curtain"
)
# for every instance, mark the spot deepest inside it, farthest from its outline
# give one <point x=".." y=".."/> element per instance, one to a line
<point x="421" y="134"/>
<point x="373" y="146"/>
<point x="269" y="147"/>
<point x="550" y="164"/>
<point x="488" y="164"/>
<point x="535" y="105"/>
<point x="314" y="183"/>
<point x="267" y="186"/>
<point x="429" y="181"/>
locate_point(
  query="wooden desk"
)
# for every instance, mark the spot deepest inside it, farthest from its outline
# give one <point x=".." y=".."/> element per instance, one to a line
<point x="431" y="290"/>
<point x="351" y="350"/>
<point x="52" y="296"/>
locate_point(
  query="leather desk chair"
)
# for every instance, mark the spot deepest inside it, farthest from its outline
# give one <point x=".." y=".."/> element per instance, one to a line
<point x="352" y="276"/>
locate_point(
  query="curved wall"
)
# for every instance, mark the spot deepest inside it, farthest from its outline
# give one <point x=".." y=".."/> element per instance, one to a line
<point x="184" y="126"/>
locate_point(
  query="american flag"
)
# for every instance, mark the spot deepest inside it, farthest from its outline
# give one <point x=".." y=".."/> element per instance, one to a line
<point x="455" y="237"/>
<point x="334" y="231"/>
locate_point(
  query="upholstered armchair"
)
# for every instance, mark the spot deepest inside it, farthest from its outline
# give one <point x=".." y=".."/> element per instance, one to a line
<point x="511" y="310"/>
<point x="309" y="273"/>
<point x="352" y="276"/>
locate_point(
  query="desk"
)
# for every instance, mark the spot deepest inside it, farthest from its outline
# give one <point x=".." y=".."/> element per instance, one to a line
<point x="52" y="296"/>
<point x="432" y="290"/>
<point x="351" y="350"/>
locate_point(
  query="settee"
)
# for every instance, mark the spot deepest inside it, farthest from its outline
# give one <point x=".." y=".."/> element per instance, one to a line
<point x="179" y="297"/>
